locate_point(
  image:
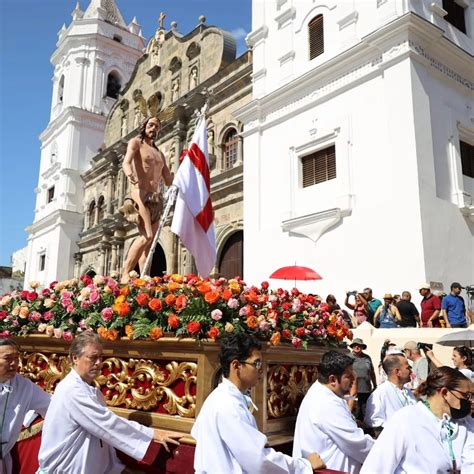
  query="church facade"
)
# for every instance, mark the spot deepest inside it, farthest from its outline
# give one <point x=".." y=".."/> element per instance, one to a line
<point x="172" y="80"/>
<point x="359" y="144"/>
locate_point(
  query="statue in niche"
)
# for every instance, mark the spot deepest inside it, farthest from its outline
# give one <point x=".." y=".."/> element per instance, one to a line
<point x="175" y="90"/>
<point x="193" y="78"/>
<point x="123" y="126"/>
<point x="210" y="141"/>
<point x="137" y="118"/>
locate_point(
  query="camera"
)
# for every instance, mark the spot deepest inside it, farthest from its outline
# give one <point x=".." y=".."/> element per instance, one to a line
<point x="425" y="346"/>
<point x="351" y="293"/>
<point x="469" y="290"/>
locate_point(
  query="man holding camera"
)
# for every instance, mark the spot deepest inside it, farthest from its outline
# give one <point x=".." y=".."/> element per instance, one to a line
<point x="453" y="308"/>
<point x="420" y="363"/>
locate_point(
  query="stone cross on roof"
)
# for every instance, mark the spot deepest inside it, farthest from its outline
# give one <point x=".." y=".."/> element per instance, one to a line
<point x="161" y="19"/>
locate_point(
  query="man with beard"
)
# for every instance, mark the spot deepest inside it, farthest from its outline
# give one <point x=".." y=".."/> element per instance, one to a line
<point x="80" y="432"/>
<point x="391" y="395"/>
<point x="145" y="167"/>
<point x="325" y="424"/>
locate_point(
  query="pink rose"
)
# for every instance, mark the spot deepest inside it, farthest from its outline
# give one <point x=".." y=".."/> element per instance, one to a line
<point x="264" y="325"/>
<point x="67" y="336"/>
<point x="70" y="309"/>
<point x="216" y="314"/>
<point x="48" y="315"/>
<point x="66" y="302"/>
<point x="5" y="334"/>
<point x="83" y="324"/>
<point x="34" y="316"/>
<point x="243" y="311"/>
<point x="296" y="341"/>
<point x="85" y="305"/>
<point x="58" y="333"/>
<point x="232" y="303"/>
<point x="94" y="296"/>
<point x="3" y="315"/>
<point x="107" y="314"/>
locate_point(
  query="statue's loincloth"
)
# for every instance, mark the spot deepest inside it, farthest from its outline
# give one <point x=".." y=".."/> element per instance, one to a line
<point x="153" y="203"/>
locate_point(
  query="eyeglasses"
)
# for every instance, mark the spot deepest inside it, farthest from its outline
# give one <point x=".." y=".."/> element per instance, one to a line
<point x="256" y="363"/>
<point x="466" y="395"/>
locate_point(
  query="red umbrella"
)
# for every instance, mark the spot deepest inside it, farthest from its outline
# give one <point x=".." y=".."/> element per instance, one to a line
<point x="295" y="272"/>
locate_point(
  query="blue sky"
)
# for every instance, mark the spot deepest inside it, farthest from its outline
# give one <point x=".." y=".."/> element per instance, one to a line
<point x="28" y="35"/>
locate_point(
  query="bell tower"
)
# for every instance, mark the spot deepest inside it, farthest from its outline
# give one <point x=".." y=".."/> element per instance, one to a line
<point x="94" y="58"/>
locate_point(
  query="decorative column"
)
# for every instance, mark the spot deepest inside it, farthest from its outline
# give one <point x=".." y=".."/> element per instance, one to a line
<point x="112" y="173"/>
<point x="77" y="264"/>
<point x="113" y="258"/>
<point x="99" y="84"/>
<point x="81" y="64"/>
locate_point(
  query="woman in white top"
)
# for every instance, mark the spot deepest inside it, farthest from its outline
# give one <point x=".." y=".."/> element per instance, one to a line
<point x="426" y="437"/>
<point x="462" y="360"/>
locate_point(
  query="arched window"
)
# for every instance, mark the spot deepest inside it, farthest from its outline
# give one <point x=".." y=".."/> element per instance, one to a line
<point x="61" y="90"/>
<point x="230" y="148"/>
<point x="316" y="36"/>
<point x="91" y="215"/>
<point x="100" y="209"/>
<point x="113" y="85"/>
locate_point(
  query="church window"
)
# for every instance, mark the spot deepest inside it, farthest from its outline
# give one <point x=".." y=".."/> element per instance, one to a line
<point x="100" y="209"/>
<point x="319" y="166"/>
<point x="467" y="159"/>
<point x="42" y="262"/>
<point x="61" y="89"/>
<point x="456" y="14"/>
<point x="316" y="36"/>
<point x="113" y="85"/>
<point x="91" y="214"/>
<point x="50" y="194"/>
<point x="230" y="147"/>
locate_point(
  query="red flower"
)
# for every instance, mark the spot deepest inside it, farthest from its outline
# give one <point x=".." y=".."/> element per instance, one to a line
<point x="155" y="304"/>
<point x="53" y="284"/>
<point x="170" y="300"/>
<point x="24" y="294"/>
<point x="3" y="315"/>
<point x="123" y="309"/>
<point x="286" y="314"/>
<point x="299" y="332"/>
<point x="142" y="299"/>
<point x="213" y="333"/>
<point x="265" y="285"/>
<point x="173" y="321"/>
<point x="86" y="279"/>
<point x="31" y="296"/>
<point x="286" y="333"/>
<point x="193" y="327"/>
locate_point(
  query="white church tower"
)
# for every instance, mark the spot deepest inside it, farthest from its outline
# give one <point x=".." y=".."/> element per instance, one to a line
<point x="359" y="143"/>
<point x="95" y="57"/>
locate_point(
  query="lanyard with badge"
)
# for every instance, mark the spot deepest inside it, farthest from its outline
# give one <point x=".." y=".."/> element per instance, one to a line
<point x="449" y="439"/>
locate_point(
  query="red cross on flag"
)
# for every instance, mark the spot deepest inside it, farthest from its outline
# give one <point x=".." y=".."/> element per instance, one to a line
<point x="193" y="216"/>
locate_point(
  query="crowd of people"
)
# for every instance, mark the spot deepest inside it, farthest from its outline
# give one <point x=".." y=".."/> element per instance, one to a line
<point x="346" y="422"/>
<point x="398" y="311"/>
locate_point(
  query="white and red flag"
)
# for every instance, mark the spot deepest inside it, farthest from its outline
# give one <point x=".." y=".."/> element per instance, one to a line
<point x="193" y="218"/>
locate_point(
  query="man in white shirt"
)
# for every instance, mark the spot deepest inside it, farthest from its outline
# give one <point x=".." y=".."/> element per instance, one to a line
<point x="80" y="432"/>
<point x="227" y="438"/>
<point x="420" y="363"/>
<point x="391" y="395"/>
<point x="17" y="397"/>
<point x="325" y="424"/>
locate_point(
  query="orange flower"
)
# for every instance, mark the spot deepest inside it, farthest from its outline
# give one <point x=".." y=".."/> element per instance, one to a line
<point x="125" y="290"/>
<point x="234" y="286"/>
<point x="213" y="333"/>
<point x="252" y="297"/>
<point x="170" y="299"/>
<point x="113" y="335"/>
<point x="252" y="322"/>
<point x="275" y="339"/>
<point x="119" y="299"/>
<point x="181" y="302"/>
<point x="139" y="282"/>
<point x="331" y="330"/>
<point x="122" y="309"/>
<point x="173" y="321"/>
<point x="143" y="299"/>
<point x="155" y="304"/>
<point x="173" y="286"/>
<point x="103" y="333"/>
<point x="203" y="287"/>
<point x="212" y="296"/>
<point x="226" y="294"/>
<point x="177" y="278"/>
<point x="156" y="333"/>
<point x="129" y="331"/>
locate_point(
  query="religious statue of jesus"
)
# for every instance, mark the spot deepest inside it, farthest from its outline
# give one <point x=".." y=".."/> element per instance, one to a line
<point x="145" y="166"/>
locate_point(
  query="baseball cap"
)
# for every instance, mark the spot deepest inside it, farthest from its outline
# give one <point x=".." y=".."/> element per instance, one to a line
<point x="410" y="345"/>
<point x="424" y="286"/>
<point x="456" y="285"/>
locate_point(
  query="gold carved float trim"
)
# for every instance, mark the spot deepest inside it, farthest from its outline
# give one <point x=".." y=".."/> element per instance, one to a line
<point x="140" y="384"/>
<point x="33" y="430"/>
<point x="286" y="387"/>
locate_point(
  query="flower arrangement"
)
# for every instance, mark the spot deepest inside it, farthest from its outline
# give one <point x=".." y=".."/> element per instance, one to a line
<point x="183" y="306"/>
